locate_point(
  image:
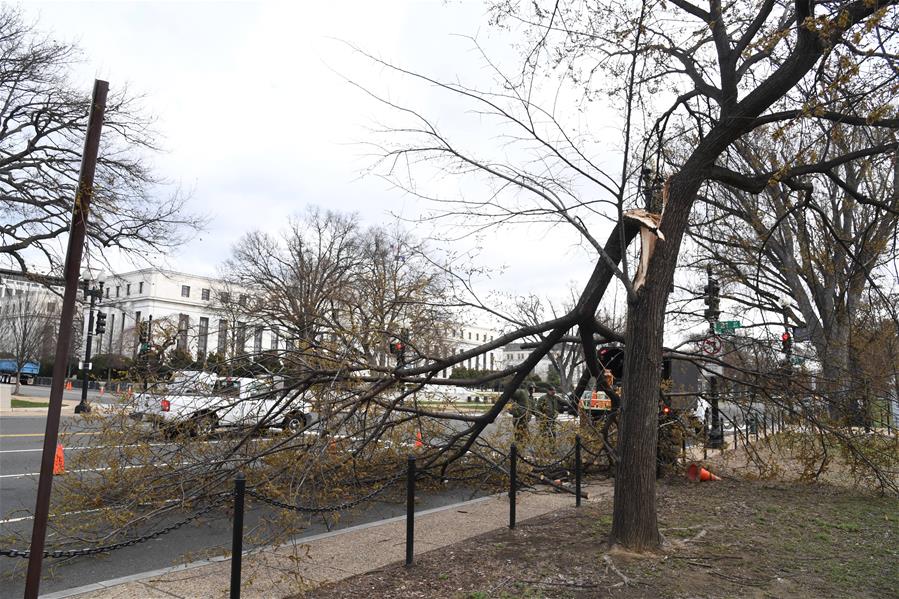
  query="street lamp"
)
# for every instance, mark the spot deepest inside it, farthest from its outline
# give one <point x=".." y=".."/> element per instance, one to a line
<point x="93" y="293"/>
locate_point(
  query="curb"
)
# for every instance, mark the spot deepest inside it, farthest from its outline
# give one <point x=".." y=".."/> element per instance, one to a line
<point x="105" y="584"/>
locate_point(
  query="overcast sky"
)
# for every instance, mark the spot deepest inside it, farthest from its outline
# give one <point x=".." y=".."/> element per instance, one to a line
<point x="257" y="120"/>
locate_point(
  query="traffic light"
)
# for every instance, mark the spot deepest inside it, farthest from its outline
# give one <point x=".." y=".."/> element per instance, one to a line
<point x="100" y="325"/>
<point x="712" y="292"/>
<point x="786" y="341"/>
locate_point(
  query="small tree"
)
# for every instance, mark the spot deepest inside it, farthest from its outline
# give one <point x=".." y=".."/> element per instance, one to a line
<point x="27" y="321"/>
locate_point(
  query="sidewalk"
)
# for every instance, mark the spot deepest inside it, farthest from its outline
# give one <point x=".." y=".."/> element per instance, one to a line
<point x="68" y="408"/>
<point x="287" y="570"/>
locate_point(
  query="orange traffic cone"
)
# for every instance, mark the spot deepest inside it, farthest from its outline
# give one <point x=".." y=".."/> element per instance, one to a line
<point x="68" y="385"/>
<point x="59" y="461"/>
<point x="697" y="473"/>
<point x="418" y="442"/>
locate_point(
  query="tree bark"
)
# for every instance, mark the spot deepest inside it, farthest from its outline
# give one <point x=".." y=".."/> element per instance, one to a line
<point x="634" y="521"/>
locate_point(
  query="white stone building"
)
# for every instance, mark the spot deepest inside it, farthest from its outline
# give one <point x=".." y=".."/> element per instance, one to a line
<point x="180" y="306"/>
<point x="512" y="354"/>
<point x="464" y="338"/>
<point x="189" y="307"/>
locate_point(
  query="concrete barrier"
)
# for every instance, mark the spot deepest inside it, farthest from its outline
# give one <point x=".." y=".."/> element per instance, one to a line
<point x="5" y="398"/>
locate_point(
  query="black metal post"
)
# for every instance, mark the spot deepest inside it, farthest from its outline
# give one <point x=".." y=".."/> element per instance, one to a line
<point x="577" y="470"/>
<point x="716" y="434"/>
<point x="735" y="432"/>
<point x="513" y="483"/>
<point x="240" y="485"/>
<point x="72" y="269"/>
<point x="84" y="407"/>
<point x="410" y="509"/>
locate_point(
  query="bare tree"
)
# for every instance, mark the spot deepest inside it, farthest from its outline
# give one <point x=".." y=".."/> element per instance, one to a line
<point x="824" y="249"/>
<point x="42" y="127"/>
<point x="27" y="325"/>
<point x="732" y="69"/>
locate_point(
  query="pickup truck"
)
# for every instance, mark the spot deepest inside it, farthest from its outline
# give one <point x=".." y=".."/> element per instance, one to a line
<point x="196" y="407"/>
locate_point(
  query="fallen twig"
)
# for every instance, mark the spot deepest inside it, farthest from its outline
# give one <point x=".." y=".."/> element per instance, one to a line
<point x="609" y="565"/>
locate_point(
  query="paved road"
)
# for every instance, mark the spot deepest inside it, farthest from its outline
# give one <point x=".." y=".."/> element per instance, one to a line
<point x="20" y="443"/>
<point x="40" y="392"/>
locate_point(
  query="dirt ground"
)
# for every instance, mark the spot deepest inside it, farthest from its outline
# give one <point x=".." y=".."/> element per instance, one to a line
<point x="731" y="538"/>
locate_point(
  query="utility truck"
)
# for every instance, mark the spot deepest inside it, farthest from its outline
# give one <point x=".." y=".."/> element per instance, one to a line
<point x="199" y="403"/>
<point x="9" y="369"/>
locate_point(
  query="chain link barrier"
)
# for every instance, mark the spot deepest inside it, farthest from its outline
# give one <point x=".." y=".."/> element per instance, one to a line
<point x="65" y="553"/>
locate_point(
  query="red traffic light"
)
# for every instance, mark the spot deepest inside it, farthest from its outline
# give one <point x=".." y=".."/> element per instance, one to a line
<point x="785" y="336"/>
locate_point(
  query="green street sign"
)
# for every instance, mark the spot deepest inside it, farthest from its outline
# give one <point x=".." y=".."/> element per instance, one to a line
<point x="727" y="326"/>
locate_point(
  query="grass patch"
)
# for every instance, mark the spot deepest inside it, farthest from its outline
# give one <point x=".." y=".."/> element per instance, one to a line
<point x="725" y="539"/>
<point x="21" y="403"/>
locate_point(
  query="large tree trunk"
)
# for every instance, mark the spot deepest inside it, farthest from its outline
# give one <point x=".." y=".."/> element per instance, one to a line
<point x="634" y="521"/>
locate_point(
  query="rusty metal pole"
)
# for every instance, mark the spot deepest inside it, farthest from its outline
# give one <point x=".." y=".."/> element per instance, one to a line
<point x="77" y="233"/>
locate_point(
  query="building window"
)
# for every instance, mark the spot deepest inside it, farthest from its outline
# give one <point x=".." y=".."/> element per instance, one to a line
<point x="117" y="290"/>
<point x="223" y="337"/>
<point x="202" y="337"/>
<point x="242" y="300"/>
<point x="183" y="325"/>
<point x="257" y="341"/>
<point x="128" y="289"/>
<point x="185" y="291"/>
<point x="469" y="335"/>
<point x="107" y="293"/>
<point x="140" y="287"/>
<point x="204" y="294"/>
<point x="275" y="338"/>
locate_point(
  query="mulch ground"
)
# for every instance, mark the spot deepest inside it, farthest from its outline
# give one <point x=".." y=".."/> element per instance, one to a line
<point x="730" y="538"/>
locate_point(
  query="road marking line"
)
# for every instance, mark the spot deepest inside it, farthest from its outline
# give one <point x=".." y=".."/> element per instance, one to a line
<point x="11" y="435"/>
<point x="78" y="471"/>
<point x="11" y="520"/>
<point x="20" y="519"/>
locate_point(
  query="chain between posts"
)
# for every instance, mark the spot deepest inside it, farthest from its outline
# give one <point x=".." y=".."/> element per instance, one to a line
<point x="65" y="553"/>
<point x="325" y="509"/>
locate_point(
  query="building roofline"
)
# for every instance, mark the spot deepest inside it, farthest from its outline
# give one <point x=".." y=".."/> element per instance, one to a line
<point x="164" y="271"/>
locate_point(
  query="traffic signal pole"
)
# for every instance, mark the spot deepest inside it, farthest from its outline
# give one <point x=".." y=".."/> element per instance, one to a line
<point x="84" y="407"/>
<point x="712" y="290"/>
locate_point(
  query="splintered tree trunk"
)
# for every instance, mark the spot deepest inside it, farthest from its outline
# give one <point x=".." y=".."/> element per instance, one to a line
<point x="634" y="521"/>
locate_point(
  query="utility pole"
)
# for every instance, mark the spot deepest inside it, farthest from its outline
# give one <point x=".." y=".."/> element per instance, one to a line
<point x="93" y="294"/>
<point x="74" y="249"/>
<point x="713" y="301"/>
